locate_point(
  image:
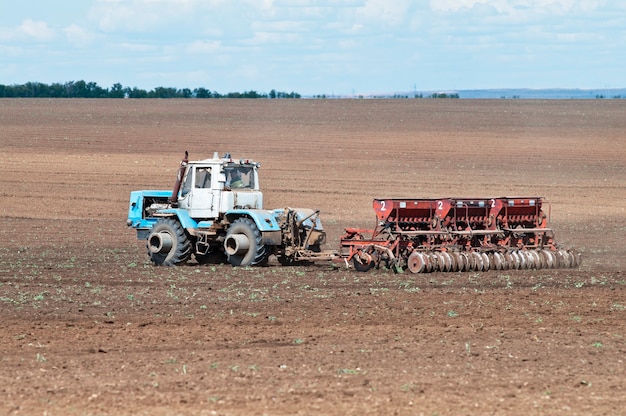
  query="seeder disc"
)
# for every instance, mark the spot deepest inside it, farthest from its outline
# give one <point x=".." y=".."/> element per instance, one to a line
<point x="497" y="260"/>
<point x="416" y="262"/>
<point x="477" y="261"/>
<point x="548" y="258"/>
<point x="486" y="261"/>
<point x="457" y="263"/>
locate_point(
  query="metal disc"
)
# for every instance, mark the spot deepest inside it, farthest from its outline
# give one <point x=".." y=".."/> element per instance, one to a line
<point x="564" y="260"/>
<point x="432" y="261"/>
<point x="438" y="261"/>
<point x="416" y="262"/>
<point x="457" y="262"/>
<point x="536" y="259"/>
<point x="486" y="262"/>
<point x="530" y="260"/>
<point x="447" y="261"/>
<point x="547" y="258"/>
<point x="510" y="260"/>
<point x="463" y="262"/>
<point x="517" y="259"/>
<point x="496" y="261"/>
<point x="567" y="258"/>
<point x="478" y="261"/>
<point x="521" y="260"/>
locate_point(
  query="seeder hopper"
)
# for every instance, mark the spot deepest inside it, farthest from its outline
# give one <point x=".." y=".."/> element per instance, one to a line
<point x="458" y="234"/>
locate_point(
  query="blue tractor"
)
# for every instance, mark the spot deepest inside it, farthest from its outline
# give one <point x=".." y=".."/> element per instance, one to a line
<point x="215" y="213"/>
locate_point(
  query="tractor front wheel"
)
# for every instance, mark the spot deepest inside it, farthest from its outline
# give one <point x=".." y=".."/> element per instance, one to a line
<point x="244" y="244"/>
<point x="168" y="243"/>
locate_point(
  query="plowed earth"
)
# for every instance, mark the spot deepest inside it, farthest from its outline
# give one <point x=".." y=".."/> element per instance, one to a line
<point x="90" y="327"/>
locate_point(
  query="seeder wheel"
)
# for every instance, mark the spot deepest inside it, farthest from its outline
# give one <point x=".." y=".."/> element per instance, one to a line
<point x="362" y="261"/>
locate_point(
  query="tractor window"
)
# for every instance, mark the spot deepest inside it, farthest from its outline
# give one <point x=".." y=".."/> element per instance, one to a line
<point x="186" y="184"/>
<point x="240" y="177"/>
<point x="203" y="178"/>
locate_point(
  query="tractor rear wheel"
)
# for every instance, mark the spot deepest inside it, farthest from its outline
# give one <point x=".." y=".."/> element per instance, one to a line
<point x="168" y="243"/>
<point x="244" y="243"/>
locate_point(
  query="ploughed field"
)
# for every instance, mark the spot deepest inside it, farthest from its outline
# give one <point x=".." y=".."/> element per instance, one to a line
<point x="89" y="326"/>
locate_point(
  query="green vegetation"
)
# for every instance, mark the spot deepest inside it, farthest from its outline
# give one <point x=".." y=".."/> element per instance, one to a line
<point x="82" y="89"/>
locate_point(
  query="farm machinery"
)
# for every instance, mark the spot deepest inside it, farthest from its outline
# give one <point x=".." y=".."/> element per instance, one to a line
<point x="458" y="234"/>
<point x="215" y="213"/>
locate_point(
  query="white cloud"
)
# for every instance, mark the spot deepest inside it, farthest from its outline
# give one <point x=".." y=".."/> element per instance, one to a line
<point x="136" y="47"/>
<point x="151" y="15"/>
<point x="36" y="30"/>
<point x="515" y="7"/>
<point x="78" y="36"/>
<point x="135" y="15"/>
<point x="384" y="11"/>
<point x="203" y="47"/>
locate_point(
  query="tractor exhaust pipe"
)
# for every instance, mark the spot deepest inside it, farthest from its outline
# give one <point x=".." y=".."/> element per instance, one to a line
<point x="179" y="179"/>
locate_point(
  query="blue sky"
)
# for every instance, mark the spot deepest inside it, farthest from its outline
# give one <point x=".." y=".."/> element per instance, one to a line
<point x="316" y="46"/>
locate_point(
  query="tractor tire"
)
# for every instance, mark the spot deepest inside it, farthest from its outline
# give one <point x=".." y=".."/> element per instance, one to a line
<point x="168" y="243"/>
<point x="244" y="244"/>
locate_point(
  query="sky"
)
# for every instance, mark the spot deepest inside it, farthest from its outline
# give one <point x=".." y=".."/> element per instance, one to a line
<point x="316" y="47"/>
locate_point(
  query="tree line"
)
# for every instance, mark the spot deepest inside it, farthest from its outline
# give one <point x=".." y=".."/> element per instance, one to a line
<point x="82" y="89"/>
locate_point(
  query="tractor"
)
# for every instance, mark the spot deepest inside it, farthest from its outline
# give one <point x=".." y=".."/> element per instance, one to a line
<point x="215" y="213"/>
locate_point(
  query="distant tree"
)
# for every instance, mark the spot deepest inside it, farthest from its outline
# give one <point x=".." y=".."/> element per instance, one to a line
<point x="96" y="91"/>
<point x="82" y="89"/>
<point x="35" y="89"/>
<point x="282" y="94"/>
<point x="163" y="92"/>
<point x="76" y="89"/>
<point x="56" y="90"/>
<point x="185" y="93"/>
<point x="201" y="93"/>
<point x="137" y="93"/>
<point x="444" y="95"/>
<point x="253" y="94"/>
<point x="117" y="91"/>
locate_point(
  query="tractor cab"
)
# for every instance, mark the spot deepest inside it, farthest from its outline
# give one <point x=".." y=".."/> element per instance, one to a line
<point x="211" y="187"/>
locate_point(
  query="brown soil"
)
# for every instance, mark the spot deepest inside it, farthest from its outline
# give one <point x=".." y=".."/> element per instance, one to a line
<point x="90" y="327"/>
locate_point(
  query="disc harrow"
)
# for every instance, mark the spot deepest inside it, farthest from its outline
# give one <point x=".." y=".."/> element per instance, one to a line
<point x="458" y="235"/>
